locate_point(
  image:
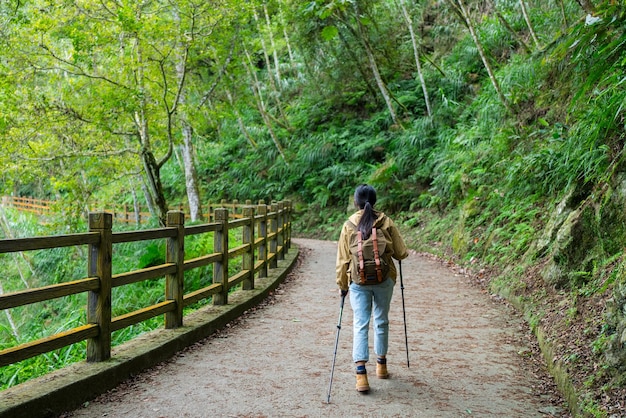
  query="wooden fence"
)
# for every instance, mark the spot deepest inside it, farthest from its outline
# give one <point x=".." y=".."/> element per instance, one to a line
<point x="266" y="237"/>
<point x="28" y="204"/>
<point x="123" y="213"/>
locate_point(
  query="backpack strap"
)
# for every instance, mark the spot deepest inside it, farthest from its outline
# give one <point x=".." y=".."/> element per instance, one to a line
<point x="379" y="272"/>
<point x="360" y="255"/>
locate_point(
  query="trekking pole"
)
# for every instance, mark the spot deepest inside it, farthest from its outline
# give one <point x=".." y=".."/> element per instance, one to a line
<point x="332" y="370"/>
<point x="406" y="340"/>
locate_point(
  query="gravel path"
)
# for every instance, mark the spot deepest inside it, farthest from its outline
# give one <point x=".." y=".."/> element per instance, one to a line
<point x="469" y="356"/>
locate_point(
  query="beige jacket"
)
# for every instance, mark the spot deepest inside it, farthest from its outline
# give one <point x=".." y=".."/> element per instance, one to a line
<point x="395" y="247"/>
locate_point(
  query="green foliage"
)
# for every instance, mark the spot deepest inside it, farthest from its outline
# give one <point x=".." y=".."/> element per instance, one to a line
<point x="308" y="122"/>
<point x="61" y="265"/>
<point x="151" y="254"/>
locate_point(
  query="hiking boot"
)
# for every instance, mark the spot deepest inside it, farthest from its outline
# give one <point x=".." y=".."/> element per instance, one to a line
<point x="362" y="385"/>
<point x="381" y="368"/>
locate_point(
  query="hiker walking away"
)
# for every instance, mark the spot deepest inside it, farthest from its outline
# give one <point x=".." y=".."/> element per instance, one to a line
<point x="368" y="241"/>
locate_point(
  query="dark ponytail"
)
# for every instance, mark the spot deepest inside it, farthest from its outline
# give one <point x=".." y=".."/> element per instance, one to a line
<point x="365" y="198"/>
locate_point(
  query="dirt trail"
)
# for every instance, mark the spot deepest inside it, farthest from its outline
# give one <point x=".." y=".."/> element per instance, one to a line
<point x="469" y="356"/>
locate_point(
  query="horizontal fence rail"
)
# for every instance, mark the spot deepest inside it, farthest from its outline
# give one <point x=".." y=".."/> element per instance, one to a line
<point x="123" y="213"/>
<point x="266" y="238"/>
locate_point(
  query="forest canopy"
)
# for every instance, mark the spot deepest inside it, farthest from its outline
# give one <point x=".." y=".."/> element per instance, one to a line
<point x="169" y="101"/>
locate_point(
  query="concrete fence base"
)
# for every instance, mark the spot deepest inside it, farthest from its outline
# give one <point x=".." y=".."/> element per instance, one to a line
<point x="68" y="388"/>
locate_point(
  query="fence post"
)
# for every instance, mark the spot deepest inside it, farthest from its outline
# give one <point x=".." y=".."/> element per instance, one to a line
<point x="274" y="232"/>
<point x="262" y="210"/>
<point x="287" y="219"/>
<point x="248" y="238"/>
<point x="99" y="301"/>
<point x="220" y="245"/>
<point x="281" y="230"/>
<point x="174" y="282"/>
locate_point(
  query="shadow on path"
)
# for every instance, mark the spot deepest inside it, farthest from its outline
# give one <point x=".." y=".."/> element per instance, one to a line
<point x="275" y="362"/>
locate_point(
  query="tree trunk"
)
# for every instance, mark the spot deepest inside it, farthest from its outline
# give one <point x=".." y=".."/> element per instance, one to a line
<point x="418" y="64"/>
<point x="153" y="176"/>
<point x="468" y="22"/>
<point x="529" y="24"/>
<point x="271" y="35"/>
<point x="7" y="312"/>
<point x="268" y="64"/>
<point x="565" y="23"/>
<point x="191" y="175"/>
<point x="242" y="126"/>
<point x="261" y="105"/>
<point x="360" y="35"/>
<point x="511" y="30"/>
<point x="381" y="84"/>
<point x="148" y="196"/>
<point x="292" y="61"/>
<point x="350" y="49"/>
<point x="136" y="205"/>
<point x="152" y="169"/>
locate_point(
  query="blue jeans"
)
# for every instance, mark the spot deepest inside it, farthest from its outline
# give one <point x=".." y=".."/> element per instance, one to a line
<point x="362" y="299"/>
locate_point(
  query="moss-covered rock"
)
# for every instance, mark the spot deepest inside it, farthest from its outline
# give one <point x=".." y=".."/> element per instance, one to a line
<point x="560" y="214"/>
<point x="615" y="352"/>
<point x="573" y="249"/>
<point x="612" y="217"/>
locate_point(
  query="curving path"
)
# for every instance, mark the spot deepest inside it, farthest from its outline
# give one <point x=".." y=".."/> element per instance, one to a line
<point x="469" y="356"/>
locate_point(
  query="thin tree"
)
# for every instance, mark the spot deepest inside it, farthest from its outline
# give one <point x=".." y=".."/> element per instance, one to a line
<point x="270" y="34"/>
<point x="268" y="65"/>
<point x="240" y="122"/>
<point x="187" y="149"/>
<point x="508" y="26"/>
<point x="416" y="53"/>
<point x="361" y="35"/>
<point x="258" y="94"/>
<point x="529" y="24"/>
<point x="461" y="10"/>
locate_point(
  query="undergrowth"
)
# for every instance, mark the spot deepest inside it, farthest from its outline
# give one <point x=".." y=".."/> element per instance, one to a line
<point x="59" y="265"/>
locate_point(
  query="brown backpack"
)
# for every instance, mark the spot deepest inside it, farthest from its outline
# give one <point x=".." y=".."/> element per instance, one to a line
<point x="368" y="264"/>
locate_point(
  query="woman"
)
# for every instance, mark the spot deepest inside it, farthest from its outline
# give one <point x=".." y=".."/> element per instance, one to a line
<point x="365" y="297"/>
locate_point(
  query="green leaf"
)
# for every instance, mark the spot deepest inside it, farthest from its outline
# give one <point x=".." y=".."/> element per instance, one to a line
<point x="329" y="32"/>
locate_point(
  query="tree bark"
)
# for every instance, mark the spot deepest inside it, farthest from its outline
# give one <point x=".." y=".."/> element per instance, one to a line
<point x="460" y="6"/>
<point x="242" y="126"/>
<point x="148" y="196"/>
<point x="271" y="35"/>
<point x="512" y="31"/>
<point x="136" y="205"/>
<point x="418" y="64"/>
<point x="153" y="175"/>
<point x="381" y="84"/>
<point x="152" y="169"/>
<point x="191" y="175"/>
<point x="529" y="24"/>
<point x="565" y="23"/>
<point x="382" y="87"/>
<point x="261" y="105"/>
<point x="292" y="61"/>
<point x="268" y="65"/>
<point x="7" y="312"/>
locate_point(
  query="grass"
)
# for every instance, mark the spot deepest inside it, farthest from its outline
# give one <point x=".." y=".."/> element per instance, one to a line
<point x="40" y="320"/>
